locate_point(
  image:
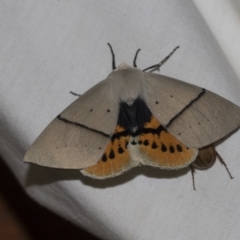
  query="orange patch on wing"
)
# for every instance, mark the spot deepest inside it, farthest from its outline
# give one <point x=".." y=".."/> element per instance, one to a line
<point x="162" y="148"/>
<point x="115" y="159"/>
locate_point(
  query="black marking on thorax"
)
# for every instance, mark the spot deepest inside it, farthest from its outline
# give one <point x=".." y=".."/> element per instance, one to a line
<point x="133" y="118"/>
<point x="186" y="107"/>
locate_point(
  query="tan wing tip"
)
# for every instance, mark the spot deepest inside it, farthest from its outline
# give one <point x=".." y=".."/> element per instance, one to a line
<point x="34" y="157"/>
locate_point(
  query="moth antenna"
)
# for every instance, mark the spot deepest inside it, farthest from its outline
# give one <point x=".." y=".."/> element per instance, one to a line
<point x="113" y="57"/>
<point x="224" y="164"/>
<point x="193" y="180"/>
<point x="157" y="66"/>
<point x="75" y="94"/>
<point x="135" y="58"/>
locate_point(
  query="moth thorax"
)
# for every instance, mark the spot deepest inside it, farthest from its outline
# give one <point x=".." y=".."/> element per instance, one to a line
<point x="126" y="83"/>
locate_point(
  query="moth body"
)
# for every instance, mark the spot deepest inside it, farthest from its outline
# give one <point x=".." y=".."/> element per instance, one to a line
<point x="134" y="118"/>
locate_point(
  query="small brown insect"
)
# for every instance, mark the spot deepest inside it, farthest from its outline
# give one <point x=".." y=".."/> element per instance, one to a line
<point x="205" y="159"/>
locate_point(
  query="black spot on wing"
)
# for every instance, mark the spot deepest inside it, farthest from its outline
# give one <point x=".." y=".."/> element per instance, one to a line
<point x="179" y="148"/>
<point x="154" y="145"/>
<point x="111" y="155"/>
<point x="163" y="148"/>
<point x="120" y="150"/>
<point x="171" y="149"/>
<point x="133" y="142"/>
<point x="145" y="142"/>
<point x="104" y="157"/>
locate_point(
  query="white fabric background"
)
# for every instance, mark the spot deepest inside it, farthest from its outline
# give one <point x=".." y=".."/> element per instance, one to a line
<point x="48" y="48"/>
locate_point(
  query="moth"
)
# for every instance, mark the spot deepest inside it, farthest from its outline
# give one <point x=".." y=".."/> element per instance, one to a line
<point x="136" y="117"/>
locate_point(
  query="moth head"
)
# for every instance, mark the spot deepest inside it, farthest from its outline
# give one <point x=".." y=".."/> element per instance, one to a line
<point x="122" y="66"/>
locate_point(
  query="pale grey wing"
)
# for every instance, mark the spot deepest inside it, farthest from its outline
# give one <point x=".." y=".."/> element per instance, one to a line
<point x="195" y="116"/>
<point x="77" y="138"/>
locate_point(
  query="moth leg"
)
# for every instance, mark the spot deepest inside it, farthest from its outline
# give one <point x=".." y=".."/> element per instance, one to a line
<point x="157" y="66"/>
<point x="193" y="172"/>
<point x="224" y="164"/>
<point x="75" y="94"/>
